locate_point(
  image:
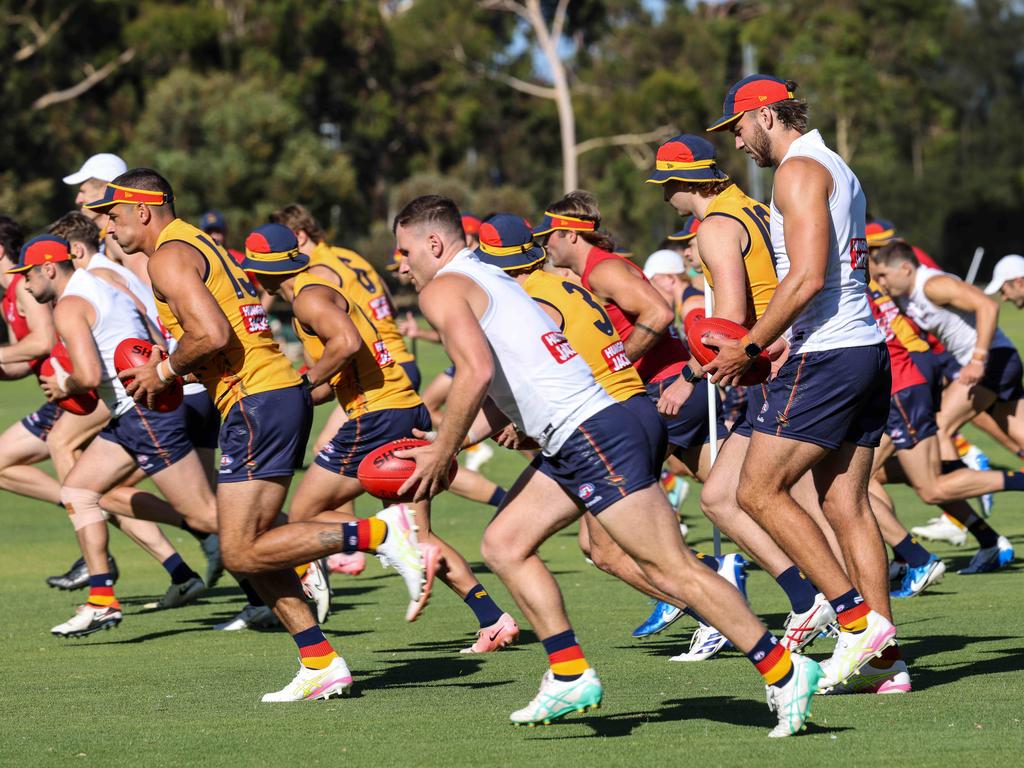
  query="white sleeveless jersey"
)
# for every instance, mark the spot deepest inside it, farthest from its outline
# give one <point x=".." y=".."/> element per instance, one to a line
<point x="540" y="383"/>
<point x="839" y="315"/>
<point x="145" y="294"/>
<point x="954" y="328"/>
<point x="116" y="319"/>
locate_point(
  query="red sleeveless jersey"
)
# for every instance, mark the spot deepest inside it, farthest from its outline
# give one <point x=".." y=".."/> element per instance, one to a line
<point x="905" y="372"/>
<point x="15" y="320"/>
<point x="668" y="356"/>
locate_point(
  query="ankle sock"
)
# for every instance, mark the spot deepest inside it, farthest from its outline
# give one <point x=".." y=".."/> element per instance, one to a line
<point x="178" y="569"/>
<point x="772" y="660"/>
<point x="101" y="591"/>
<point x="798" y="589"/>
<point x="851" y="611"/>
<point x="1013" y="481"/>
<point x="565" y="656"/>
<point x="982" y="531"/>
<point x="314" y="650"/>
<point x="497" y="497"/>
<point x="364" y="535"/>
<point x="912" y="553"/>
<point x="251" y="595"/>
<point x="483" y="606"/>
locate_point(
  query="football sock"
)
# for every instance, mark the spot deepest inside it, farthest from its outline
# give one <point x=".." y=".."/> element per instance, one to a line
<point x="1013" y="481"/>
<point x="364" y="535"/>
<point x="101" y="591"/>
<point x="497" y="497"/>
<point x="251" y="595"/>
<point x="564" y="655"/>
<point x="912" y="553"/>
<point x="951" y="465"/>
<point x="178" y="569"/>
<point x="982" y="531"/>
<point x="486" y="610"/>
<point x="314" y="650"/>
<point x="851" y="611"/>
<point x="798" y="589"/>
<point x="707" y="560"/>
<point x="197" y="535"/>
<point x="772" y="660"/>
<point x="300" y="570"/>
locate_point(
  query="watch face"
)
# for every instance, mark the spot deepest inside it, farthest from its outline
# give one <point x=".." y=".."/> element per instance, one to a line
<point x="752" y="350"/>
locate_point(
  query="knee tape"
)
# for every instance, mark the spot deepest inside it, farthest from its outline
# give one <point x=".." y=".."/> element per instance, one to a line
<point x="83" y="506"/>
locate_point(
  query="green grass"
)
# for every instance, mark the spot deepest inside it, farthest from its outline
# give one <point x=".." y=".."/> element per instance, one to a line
<point x="163" y="689"/>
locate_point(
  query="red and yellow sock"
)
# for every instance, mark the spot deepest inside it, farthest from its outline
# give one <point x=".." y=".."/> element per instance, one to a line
<point x="772" y="660"/>
<point x="314" y="650"/>
<point x="300" y="570"/>
<point x="851" y="611"/>
<point x="101" y="591"/>
<point x="364" y="535"/>
<point x="565" y="656"/>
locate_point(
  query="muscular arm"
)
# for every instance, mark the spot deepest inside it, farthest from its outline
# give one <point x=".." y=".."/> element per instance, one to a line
<point x="617" y="283"/>
<point x="176" y="271"/>
<point x="73" y="318"/>
<point x="41" y="335"/>
<point x="721" y="242"/>
<point x="946" y="291"/>
<point x="325" y="312"/>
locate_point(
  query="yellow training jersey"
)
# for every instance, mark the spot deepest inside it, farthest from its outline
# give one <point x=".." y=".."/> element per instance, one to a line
<point x="758" y="258"/>
<point x="363" y="285"/>
<point x="372" y="380"/>
<point x="587" y="328"/>
<point x="251" y="362"/>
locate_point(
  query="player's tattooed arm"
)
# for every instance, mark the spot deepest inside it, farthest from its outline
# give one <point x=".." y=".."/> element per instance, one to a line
<point x="615" y="282"/>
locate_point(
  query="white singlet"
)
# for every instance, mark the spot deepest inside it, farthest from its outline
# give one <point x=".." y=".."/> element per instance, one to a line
<point x="116" y="319"/>
<point x="540" y="383"/>
<point x="953" y="327"/>
<point x="839" y="315"/>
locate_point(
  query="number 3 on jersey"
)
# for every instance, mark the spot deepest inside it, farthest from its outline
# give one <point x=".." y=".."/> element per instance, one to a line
<point x="603" y="323"/>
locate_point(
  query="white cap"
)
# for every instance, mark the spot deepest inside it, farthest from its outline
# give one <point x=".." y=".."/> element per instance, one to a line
<point x="104" y="166"/>
<point x="1007" y="268"/>
<point x="664" y="262"/>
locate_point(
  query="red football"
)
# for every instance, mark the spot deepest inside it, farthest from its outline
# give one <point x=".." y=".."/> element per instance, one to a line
<point x="382" y="473"/>
<point x="691" y="317"/>
<point x="718" y="326"/>
<point x="80" y="403"/>
<point x="132" y="353"/>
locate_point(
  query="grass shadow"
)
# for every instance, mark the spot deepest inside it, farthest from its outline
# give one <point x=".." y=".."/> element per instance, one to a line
<point x="444" y="672"/>
<point x="925" y="675"/>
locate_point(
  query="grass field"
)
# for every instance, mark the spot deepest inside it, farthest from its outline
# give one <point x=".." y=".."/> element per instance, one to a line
<point x="163" y="689"/>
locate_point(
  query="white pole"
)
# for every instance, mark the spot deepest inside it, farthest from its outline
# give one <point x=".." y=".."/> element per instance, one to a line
<point x="709" y="306"/>
<point x="972" y="273"/>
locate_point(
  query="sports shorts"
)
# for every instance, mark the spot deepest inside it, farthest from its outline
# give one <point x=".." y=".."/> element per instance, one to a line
<point x="413" y="372"/>
<point x="830" y="397"/>
<point x="41" y="420"/>
<point x="264" y="435"/>
<point x="756" y="395"/>
<point x="911" y="416"/>
<point x="363" y="434"/>
<point x="155" y="440"/>
<point x="202" y="420"/>
<point x="615" y="452"/>
<point x="1003" y="373"/>
<point x="688" y="428"/>
<point x="734" y="404"/>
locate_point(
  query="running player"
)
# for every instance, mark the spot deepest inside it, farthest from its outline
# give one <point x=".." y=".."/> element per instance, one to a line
<point x="596" y="455"/>
<point x="208" y="305"/>
<point x="350" y="362"/>
<point x="91" y="318"/>
<point x="1008" y="280"/>
<point x="826" y="409"/>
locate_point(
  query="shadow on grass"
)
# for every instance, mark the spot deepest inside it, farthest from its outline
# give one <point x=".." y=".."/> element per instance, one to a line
<point x="928" y="675"/>
<point x="526" y="637"/>
<point x="429" y="672"/>
<point x="747" y="713"/>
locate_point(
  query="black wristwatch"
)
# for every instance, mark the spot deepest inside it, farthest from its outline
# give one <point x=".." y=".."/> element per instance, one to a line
<point x="753" y="349"/>
<point x="689" y="376"/>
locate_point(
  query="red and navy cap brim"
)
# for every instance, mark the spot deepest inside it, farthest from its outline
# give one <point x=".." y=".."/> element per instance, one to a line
<point x="691" y="174"/>
<point x="42" y="249"/>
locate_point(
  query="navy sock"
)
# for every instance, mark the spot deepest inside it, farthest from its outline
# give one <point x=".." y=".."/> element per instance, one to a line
<point x="846" y="601"/>
<point x="497" y="497"/>
<point x="982" y="531"/>
<point x="1013" y="481"/>
<point x="178" y="569"/>
<point x="251" y="595"/>
<point x="951" y="465"/>
<point x="486" y="610"/>
<point x="707" y="560"/>
<point x="911" y="552"/>
<point x="798" y="589"/>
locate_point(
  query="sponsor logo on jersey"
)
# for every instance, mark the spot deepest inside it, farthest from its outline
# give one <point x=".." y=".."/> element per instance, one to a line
<point x="383" y="354"/>
<point x="558" y="346"/>
<point x="858" y="253"/>
<point x="615" y="356"/>
<point x="381" y="308"/>
<point x="254" y="318"/>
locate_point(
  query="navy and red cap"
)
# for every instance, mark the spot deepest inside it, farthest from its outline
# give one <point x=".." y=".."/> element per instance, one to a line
<point x="114" y="194"/>
<point x="212" y="221"/>
<point x="273" y="250"/>
<point x="42" y="249"/>
<point x="688" y="232"/>
<point x="506" y="241"/>
<point x="686" y="158"/>
<point x="879" y="232"/>
<point x="470" y="224"/>
<point x="752" y="92"/>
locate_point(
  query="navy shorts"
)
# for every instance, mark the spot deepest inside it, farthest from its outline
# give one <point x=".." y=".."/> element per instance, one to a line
<point x="449" y="371"/>
<point x="756" y="396"/>
<point x="612" y="454"/>
<point x="264" y="435"/>
<point x="41" y="420"/>
<point x="413" y="372"/>
<point x="734" y="404"/>
<point x="155" y="440"/>
<point x="911" y="416"/>
<point x="363" y="434"/>
<point x="934" y="368"/>
<point x="944" y="361"/>
<point x="831" y="397"/>
<point x="1003" y="373"/>
<point x="688" y="428"/>
<point x="201" y="420"/>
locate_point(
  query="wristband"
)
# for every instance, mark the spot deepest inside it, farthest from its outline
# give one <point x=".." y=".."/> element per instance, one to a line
<point x="170" y="372"/>
<point x="980" y="355"/>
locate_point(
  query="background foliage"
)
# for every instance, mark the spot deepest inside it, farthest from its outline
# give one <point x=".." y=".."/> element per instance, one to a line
<point x="352" y="106"/>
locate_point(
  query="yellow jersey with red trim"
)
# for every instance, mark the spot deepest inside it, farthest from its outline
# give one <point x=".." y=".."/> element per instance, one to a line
<point x="251" y="362"/>
<point x="758" y="256"/>
<point x="589" y="331"/>
<point x="363" y="284"/>
<point x="372" y="380"/>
